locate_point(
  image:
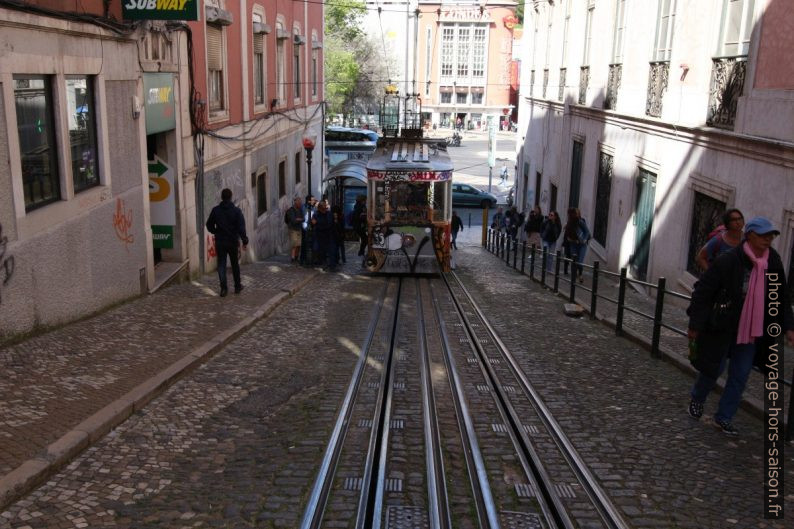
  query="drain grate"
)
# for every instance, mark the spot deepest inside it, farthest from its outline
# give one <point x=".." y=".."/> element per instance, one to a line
<point x="398" y="424"/>
<point x="525" y="490"/>
<point x="509" y="389"/>
<point x="399" y="385"/>
<point x="520" y="520"/>
<point x="365" y="423"/>
<point x="531" y="428"/>
<point x="565" y="491"/>
<point x="471" y="360"/>
<point x="483" y="388"/>
<point x="499" y="428"/>
<point x="494" y="361"/>
<point x="374" y="385"/>
<point x="353" y="483"/>
<point x="379" y="358"/>
<point x="464" y="340"/>
<point x="403" y="517"/>
<point x="394" y="485"/>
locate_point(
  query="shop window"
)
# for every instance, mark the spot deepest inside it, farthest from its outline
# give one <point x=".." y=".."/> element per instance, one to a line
<point x="81" y="120"/>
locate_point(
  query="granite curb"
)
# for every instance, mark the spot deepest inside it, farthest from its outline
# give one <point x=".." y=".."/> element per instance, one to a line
<point x="20" y="481"/>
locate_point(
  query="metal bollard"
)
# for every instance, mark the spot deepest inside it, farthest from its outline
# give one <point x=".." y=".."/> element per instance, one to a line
<point x="532" y="261"/>
<point x="594" y="291"/>
<point x="507" y="246"/>
<point x="657" y="317"/>
<point x="621" y="302"/>
<point x="557" y="256"/>
<point x="572" y="295"/>
<point x="515" y="253"/>
<point x="523" y="256"/>
<point x="543" y="256"/>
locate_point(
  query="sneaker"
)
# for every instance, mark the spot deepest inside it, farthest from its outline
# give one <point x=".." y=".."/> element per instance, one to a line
<point x="695" y="409"/>
<point x="726" y="426"/>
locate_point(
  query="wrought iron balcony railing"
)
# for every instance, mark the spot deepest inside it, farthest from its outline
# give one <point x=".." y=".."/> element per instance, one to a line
<point x="531" y="83"/>
<point x="545" y="81"/>
<point x="658" y="75"/>
<point x="727" y="84"/>
<point x="561" y="92"/>
<point x="613" y="86"/>
<point x="584" y="79"/>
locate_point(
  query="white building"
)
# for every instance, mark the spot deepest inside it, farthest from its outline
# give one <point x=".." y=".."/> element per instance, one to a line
<point x="653" y="117"/>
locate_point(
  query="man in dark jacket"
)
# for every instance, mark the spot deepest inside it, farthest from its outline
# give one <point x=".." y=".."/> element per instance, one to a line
<point x="226" y="222"/>
<point x="359" y="221"/>
<point x="457" y="226"/>
<point x="728" y="316"/>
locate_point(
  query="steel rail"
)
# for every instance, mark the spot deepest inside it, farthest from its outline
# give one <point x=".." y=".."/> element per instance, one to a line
<point x="603" y="504"/>
<point x="436" y="485"/>
<point x="549" y="501"/>
<point x="312" y="516"/>
<point x="483" y="499"/>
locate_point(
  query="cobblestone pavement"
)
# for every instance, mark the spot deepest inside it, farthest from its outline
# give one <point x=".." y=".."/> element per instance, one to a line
<point x="674" y="315"/>
<point x="54" y="381"/>
<point x="626" y="413"/>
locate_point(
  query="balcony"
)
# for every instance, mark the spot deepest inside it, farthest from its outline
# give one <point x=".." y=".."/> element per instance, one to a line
<point x="561" y="92"/>
<point x="531" y="83"/>
<point x="727" y="84"/>
<point x="545" y="81"/>
<point x="613" y="86"/>
<point x="584" y="79"/>
<point x="658" y="75"/>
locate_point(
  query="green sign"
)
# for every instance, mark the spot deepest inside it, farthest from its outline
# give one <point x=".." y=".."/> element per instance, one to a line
<point x="158" y="100"/>
<point x="159" y="9"/>
<point x="163" y="236"/>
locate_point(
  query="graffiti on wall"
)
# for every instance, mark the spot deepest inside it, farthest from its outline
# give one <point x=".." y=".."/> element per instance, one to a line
<point x="6" y="262"/>
<point x="122" y="223"/>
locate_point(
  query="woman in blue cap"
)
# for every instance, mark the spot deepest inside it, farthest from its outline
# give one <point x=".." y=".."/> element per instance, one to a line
<point x="727" y="318"/>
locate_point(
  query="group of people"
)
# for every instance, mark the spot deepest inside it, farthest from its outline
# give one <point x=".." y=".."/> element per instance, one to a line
<point x="316" y="233"/>
<point x="545" y="232"/>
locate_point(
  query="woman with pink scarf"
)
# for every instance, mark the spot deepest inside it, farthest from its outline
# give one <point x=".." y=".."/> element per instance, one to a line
<point x="727" y="318"/>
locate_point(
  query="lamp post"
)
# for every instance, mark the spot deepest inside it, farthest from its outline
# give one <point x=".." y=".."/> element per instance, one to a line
<point x="308" y="144"/>
<point x="306" y="243"/>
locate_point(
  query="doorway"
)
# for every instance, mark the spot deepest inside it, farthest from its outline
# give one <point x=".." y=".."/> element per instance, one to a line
<point x="643" y="221"/>
<point x="163" y="197"/>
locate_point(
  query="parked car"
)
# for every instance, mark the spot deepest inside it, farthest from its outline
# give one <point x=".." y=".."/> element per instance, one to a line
<point x="466" y="195"/>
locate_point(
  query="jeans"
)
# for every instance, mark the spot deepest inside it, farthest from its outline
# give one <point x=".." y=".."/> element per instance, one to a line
<point x="741" y="362"/>
<point x="223" y="250"/>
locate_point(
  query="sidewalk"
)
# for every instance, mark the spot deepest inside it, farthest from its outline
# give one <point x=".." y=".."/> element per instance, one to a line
<point x="63" y="390"/>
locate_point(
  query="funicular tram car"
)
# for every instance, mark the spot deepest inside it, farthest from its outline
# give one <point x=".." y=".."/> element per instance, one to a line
<point x="409" y="207"/>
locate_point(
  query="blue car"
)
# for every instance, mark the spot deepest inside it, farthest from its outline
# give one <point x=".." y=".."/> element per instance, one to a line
<point x="465" y="195"/>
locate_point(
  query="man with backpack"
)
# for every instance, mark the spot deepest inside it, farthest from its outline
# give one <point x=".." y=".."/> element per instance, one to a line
<point x="227" y="223"/>
<point x="293" y="218"/>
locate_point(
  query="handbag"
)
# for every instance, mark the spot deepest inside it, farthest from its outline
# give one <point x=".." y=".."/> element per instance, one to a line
<point x="720" y="317"/>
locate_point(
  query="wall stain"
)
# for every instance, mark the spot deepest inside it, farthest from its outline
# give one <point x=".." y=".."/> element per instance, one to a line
<point x="6" y="262"/>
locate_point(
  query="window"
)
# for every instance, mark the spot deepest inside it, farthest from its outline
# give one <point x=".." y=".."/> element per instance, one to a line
<point x="550" y="18"/>
<point x="447" y="39"/>
<point x="298" y="167"/>
<point x="478" y="53"/>
<point x="620" y="26"/>
<point x="588" y="33"/>
<point x="81" y="116"/>
<point x="259" y="64"/>
<point x="314" y="73"/>
<point x="565" y="28"/>
<point x="476" y="98"/>
<point x="215" y="78"/>
<point x="282" y="178"/>
<point x="603" y="190"/>
<point x="461" y="97"/>
<point x="665" y="25"/>
<point x="446" y="97"/>
<point x="463" y="52"/>
<point x="33" y="98"/>
<point x="706" y="215"/>
<point x="428" y="58"/>
<point x="736" y="27"/>
<point x="261" y="193"/>
<point x="296" y="64"/>
<point x="576" y="174"/>
<point x="281" y="36"/>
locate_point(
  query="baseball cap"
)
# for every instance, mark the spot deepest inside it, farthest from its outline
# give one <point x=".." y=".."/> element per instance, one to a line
<point x="760" y="226"/>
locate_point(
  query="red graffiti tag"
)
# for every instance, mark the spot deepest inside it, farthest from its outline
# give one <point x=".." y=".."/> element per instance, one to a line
<point x="122" y="222"/>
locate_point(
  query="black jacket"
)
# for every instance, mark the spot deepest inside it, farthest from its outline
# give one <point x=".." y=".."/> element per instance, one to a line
<point x="457" y="224"/>
<point x="226" y="222"/>
<point x="728" y="272"/>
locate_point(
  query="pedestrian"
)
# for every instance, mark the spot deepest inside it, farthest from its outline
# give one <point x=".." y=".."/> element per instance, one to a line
<point x="503" y="174"/>
<point x="322" y="226"/>
<point x="457" y="225"/>
<point x="307" y="242"/>
<point x="728" y="318"/>
<point x="533" y="226"/>
<point x="293" y="218"/>
<point x="499" y="221"/>
<point x="726" y="238"/>
<point x="516" y="220"/>
<point x="549" y="233"/>
<point x="227" y="223"/>
<point x="339" y="233"/>
<point x="359" y="222"/>
<point x="459" y="124"/>
<point x="576" y="238"/>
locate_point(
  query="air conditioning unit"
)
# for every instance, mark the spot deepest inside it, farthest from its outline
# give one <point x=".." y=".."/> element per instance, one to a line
<point x="261" y="28"/>
<point x="216" y="15"/>
<point x="298" y="40"/>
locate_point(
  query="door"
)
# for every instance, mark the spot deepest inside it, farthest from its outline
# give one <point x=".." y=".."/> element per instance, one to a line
<point x="538" y="178"/>
<point x="643" y="222"/>
<point x="528" y="193"/>
<point x="576" y="174"/>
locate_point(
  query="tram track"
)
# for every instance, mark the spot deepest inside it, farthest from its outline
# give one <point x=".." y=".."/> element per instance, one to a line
<point x="440" y="428"/>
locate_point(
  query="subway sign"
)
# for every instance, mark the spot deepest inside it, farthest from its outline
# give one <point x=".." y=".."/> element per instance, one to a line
<point x="159" y="9"/>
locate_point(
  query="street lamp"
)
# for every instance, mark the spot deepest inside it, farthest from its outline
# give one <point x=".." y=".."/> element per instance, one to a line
<point x="306" y="242"/>
<point x="308" y="144"/>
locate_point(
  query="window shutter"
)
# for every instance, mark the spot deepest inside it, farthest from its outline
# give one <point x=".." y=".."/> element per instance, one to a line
<point x="259" y="43"/>
<point x="214" y="48"/>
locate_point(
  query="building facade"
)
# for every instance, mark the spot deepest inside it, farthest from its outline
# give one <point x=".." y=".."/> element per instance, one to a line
<point x="464" y="62"/>
<point x="652" y="120"/>
<point x="117" y="135"/>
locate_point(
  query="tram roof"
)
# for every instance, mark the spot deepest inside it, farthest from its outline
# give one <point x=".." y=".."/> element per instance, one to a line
<point x="410" y="156"/>
<point x="355" y="169"/>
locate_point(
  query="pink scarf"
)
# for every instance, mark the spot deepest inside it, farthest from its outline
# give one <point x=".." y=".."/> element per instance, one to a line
<point x="751" y="323"/>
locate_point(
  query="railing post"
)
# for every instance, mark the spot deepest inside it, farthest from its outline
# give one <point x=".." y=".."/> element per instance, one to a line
<point x="523" y="256"/>
<point x="544" y="254"/>
<point x="507" y="247"/>
<point x="532" y="261"/>
<point x="488" y="240"/>
<point x="621" y="302"/>
<point x="515" y="253"/>
<point x="499" y="245"/>
<point x="594" y="291"/>
<point x="657" y="317"/>
<point x="572" y="295"/>
<point x="557" y="271"/>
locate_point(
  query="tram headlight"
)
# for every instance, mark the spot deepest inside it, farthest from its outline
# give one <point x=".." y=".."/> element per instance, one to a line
<point x="408" y="240"/>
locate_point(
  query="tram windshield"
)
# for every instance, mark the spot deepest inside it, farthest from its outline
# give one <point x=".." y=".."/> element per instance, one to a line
<point x="406" y="202"/>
